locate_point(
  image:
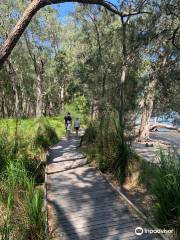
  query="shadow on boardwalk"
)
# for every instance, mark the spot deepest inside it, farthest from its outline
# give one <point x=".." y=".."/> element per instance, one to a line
<point x="81" y="203"/>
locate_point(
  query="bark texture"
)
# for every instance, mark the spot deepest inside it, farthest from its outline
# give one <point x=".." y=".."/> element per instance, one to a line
<point x="147" y="109"/>
<point x="39" y="97"/>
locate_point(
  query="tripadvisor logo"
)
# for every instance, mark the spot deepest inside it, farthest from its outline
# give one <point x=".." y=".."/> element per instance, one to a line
<point x="139" y="231"/>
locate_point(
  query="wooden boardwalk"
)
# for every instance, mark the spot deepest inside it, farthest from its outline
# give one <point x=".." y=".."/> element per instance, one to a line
<point x="82" y="205"/>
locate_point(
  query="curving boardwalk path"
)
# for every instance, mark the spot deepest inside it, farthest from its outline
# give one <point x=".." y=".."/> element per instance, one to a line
<point x="82" y="205"/>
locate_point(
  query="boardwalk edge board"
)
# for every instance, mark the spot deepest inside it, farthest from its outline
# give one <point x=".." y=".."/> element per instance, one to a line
<point x="139" y="212"/>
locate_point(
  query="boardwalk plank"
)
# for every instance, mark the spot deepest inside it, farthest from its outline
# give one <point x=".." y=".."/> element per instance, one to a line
<point x="81" y="203"/>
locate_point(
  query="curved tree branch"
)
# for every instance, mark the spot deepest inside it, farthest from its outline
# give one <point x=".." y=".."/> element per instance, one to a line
<point x="174" y="36"/>
<point x="30" y="11"/>
<point x="36" y="5"/>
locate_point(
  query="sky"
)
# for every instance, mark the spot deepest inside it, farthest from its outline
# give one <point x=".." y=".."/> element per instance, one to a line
<point x="66" y="8"/>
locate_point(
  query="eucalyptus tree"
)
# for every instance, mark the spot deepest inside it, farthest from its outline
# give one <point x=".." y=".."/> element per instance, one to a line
<point x="36" y="5"/>
<point x="15" y="67"/>
<point x="168" y="88"/>
<point x="30" y="67"/>
<point x="162" y="72"/>
<point x="162" y="57"/>
<point x="38" y="44"/>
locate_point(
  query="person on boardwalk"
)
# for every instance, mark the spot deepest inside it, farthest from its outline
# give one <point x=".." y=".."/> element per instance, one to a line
<point x="68" y="129"/>
<point x="66" y="119"/>
<point x="76" y="126"/>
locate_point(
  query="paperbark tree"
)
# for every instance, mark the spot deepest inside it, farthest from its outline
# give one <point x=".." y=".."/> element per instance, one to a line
<point x="147" y="107"/>
<point x="149" y="98"/>
<point x="124" y="70"/>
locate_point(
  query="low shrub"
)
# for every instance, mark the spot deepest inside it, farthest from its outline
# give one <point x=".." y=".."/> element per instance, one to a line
<point x="90" y="133"/>
<point x="162" y="181"/>
<point x="34" y="212"/>
<point x="6" y="147"/>
<point x="166" y="189"/>
<point x="45" y="136"/>
<point x="109" y="147"/>
<point x="22" y="203"/>
<point x="22" y="147"/>
<point x="123" y="154"/>
<point x="21" y="169"/>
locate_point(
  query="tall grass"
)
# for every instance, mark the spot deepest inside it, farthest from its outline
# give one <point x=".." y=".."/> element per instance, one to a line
<point x="162" y="181"/>
<point x="6" y="228"/>
<point x="45" y="136"/>
<point x="121" y="165"/>
<point x="5" y="150"/>
<point x="166" y="189"/>
<point x="109" y="147"/>
<point x="23" y="146"/>
<point x="21" y="202"/>
<point x="91" y="133"/>
<point x="34" y="211"/>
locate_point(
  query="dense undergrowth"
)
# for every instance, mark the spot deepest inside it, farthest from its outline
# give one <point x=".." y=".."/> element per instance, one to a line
<point x="23" y="146"/>
<point x="108" y="146"/>
<point x="163" y="182"/>
<point x="112" y="153"/>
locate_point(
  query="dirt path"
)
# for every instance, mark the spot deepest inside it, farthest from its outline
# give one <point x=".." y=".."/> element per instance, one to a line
<point x="82" y="205"/>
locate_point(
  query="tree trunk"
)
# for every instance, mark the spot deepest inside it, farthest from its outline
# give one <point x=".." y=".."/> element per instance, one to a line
<point x="62" y="97"/>
<point x="4" y="106"/>
<point x="147" y="109"/>
<point x="94" y="109"/>
<point x="149" y="101"/>
<point x="39" y="70"/>
<point x="24" y="102"/>
<point x="124" y="72"/>
<point x="13" y="76"/>
<point x="39" y="96"/>
<point x="121" y="96"/>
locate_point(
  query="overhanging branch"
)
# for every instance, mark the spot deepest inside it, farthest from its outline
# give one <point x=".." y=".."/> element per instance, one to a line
<point x="32" y="9"/>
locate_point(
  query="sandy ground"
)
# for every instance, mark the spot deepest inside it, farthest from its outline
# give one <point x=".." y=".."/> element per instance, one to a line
<point x="165" y="140"/>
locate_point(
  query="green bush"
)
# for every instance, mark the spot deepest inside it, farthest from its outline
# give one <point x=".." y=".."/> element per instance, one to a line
<point x="123" y="154"/>
<point x="34" y="212"/>
<point x="166" y="189"/>
<point x="110" y="149"/>
<point x="20" y="171"/>
<point x="45" y="136"/>
<point x="90" y="133"/>
<point x="23" y="204"/>
<point x="6" y="147"/>
<point x="81" y="104"/>
<point x="22" y="147"/>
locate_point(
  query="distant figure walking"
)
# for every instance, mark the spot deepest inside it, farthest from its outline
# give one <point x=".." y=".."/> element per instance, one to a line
<point x="68" y="129"/>
<point x="76" y="125"/>
<point x="67" y="119"/>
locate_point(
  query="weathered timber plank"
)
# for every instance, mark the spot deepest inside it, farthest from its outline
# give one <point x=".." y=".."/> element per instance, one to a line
<point x="81" y="203"/>
<point x="101" y="226"/>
